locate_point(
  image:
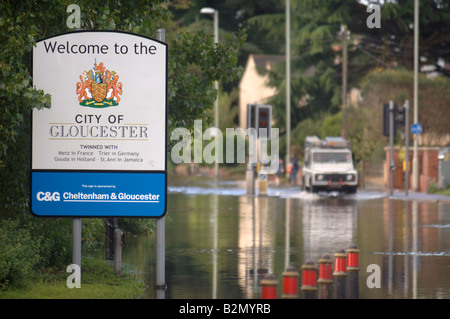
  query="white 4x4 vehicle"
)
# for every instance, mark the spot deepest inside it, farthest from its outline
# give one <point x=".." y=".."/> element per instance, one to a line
<point x="328" y="165"/>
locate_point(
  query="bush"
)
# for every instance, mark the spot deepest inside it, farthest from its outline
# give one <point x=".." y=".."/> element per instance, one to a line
<point x="433" y="188"/>
<point x="29" y="244"/>
<point x="19" y="253"/>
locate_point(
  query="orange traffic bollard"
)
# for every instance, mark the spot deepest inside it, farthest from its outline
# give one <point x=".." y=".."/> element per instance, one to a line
<point x="353" y="272"/>
<point x="309" y="282"/>
<point x="290" y="283"/>
<point x="269" y="287"/>
<point x="340" y="274"/>
<point x="325" y="277"/>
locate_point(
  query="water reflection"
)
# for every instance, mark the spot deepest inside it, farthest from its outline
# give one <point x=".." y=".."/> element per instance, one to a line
<point x="417" y="253"/>
<point x="220" y="242"/>
<point x="328" y="226"/>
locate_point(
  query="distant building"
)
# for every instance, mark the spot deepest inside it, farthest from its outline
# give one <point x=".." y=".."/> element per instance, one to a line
<point x="253" y="86"/>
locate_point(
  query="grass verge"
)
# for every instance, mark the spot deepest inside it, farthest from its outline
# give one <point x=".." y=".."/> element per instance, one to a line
<point x="98" y="281"/>
<point x="445" y="192"/>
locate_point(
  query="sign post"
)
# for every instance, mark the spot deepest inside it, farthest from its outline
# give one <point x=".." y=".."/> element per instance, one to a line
<point x="391" y="147"/>
<point x="161" y="230"/>
<point x="250" y="173"/>
<point x="406" y="147"/>
<point x="76" y="241"/>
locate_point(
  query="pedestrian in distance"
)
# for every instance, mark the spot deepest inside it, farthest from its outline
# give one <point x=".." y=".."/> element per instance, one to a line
<point x="294" y="169"/>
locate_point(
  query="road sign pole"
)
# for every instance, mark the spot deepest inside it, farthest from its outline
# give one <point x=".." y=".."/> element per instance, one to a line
<point x="76" y="241"/>
<point x="416" y="93"/>
<point x="251" y="124"/>
<point x="406" y="147"/>
<point x="416" y="129"/>
<point x="288" y="82"/>
<point x="160" y="229"/>
<point x="391" y="143"/>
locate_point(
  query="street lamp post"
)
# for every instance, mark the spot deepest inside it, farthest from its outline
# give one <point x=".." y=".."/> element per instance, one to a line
<point x="215" y="14"/>
<point x="288" y="83"/>
<point x="416" y="94"/>
<point x="344" y="33"/>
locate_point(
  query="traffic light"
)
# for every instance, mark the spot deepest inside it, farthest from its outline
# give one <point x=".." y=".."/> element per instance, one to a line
<point x="386" y="119"/>
<point x="263" y="121"/>
<point x="400" y="115"/>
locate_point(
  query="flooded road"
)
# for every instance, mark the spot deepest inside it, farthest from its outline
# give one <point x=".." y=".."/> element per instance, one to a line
<point x="220" y="242"/>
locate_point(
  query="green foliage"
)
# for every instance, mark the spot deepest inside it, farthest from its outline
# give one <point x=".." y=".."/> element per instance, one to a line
<point x="136" y="225"/>
<point x="17" y="98"/>
<point x="365" y="132"/>
<point x="316" y="44"/>
<point x="92" y="233"/>
<point x="19" y="254"/>
<point x="98" y="281"/>
<point x="27" y="243"/>
<point x="331" y="125"/>
<point x="316" y="77"/>
<point x="433" y="188"/>
<point x="228" y="109"/>
<point x="380" y="86"/>
<point x="305" y="128"/>
<point x="193" y="68"/>
<point x="195" y="62"/>
<point x="365" y="122"/>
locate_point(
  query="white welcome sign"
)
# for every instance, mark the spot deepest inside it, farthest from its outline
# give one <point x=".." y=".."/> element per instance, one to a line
<point x="103" y="141"/>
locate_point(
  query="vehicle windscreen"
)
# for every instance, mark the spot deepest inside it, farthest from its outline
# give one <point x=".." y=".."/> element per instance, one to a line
<point x="338" y="157"/>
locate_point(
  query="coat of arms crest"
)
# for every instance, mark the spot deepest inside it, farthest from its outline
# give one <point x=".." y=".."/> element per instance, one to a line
<point x="99" y="87"/>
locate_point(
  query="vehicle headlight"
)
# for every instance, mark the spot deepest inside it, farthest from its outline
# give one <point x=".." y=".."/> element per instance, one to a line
<point x="349" y="177"/>
<point x="319" y="177"/>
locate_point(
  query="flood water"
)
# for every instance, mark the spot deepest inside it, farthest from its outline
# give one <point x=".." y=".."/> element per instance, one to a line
<point x="220" y="242"/>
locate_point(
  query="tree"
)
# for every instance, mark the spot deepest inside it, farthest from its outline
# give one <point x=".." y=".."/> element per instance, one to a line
<point x="392" y="44"/>
<point x="193" y="68"/>
<point x="378" y="87"/>
<point x="316" y="45"/>
<point x="316" y="77"/>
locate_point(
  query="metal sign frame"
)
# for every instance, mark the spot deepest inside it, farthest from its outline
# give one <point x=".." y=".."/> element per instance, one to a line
<point x="131" y="179"/>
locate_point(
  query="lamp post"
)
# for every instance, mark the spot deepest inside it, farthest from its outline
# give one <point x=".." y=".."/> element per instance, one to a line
<point x="416" y="94"/>
<point x="215" y="14"/>
<point x="344" y="33"/>
<point x="288" y="83"/>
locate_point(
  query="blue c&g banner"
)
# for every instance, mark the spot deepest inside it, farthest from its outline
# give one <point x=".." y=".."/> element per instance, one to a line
<point x="98" y="194"/>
